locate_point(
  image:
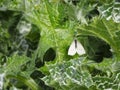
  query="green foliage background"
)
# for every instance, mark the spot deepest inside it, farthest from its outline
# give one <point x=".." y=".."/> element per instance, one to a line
<point x="35" y="36"/>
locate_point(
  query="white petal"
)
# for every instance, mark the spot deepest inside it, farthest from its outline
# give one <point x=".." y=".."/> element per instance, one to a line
<point x="72" y="49"/>
<point x="80" y="50"/>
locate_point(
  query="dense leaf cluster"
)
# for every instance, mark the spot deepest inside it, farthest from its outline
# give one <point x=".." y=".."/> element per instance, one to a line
<point x="35" y="36"/>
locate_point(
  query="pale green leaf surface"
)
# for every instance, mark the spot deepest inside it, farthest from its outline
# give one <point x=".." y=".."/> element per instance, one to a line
<point x="73" y="74"/>
<point x="68" y="76"/>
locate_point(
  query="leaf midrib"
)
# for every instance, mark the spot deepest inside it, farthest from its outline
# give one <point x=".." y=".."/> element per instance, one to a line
<point x="53" y="30"/>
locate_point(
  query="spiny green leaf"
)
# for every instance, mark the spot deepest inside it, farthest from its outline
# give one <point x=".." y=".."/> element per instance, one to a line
<point x="103" y="29"/>
<point x="14" y="63"/>
<point x="107" y="82"/>
<point x="110" y="11"/>
<point x="68" y="75"/>
<point x="47" y="19"/>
